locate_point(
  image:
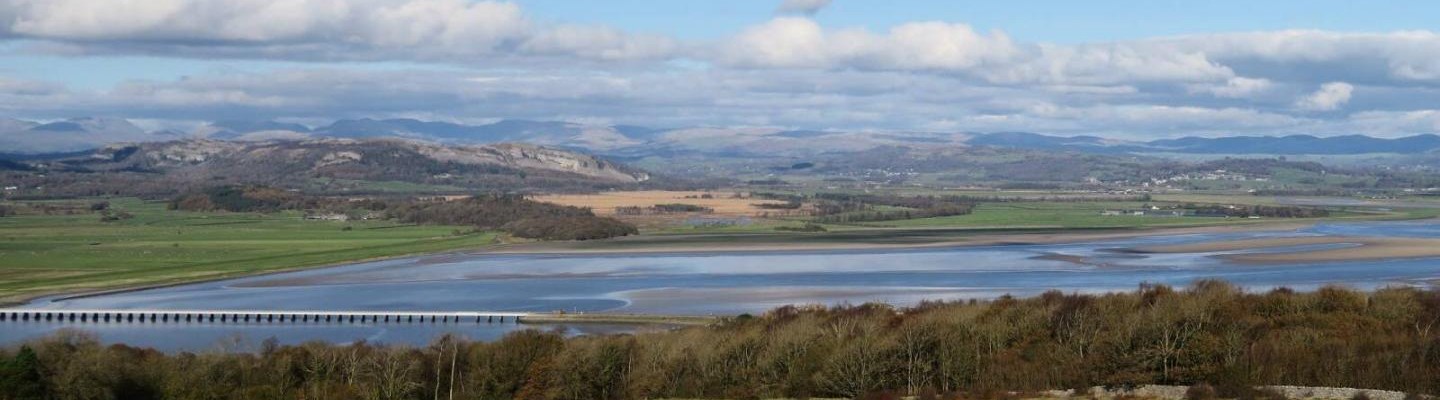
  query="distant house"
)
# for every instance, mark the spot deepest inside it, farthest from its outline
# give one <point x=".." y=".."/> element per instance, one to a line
<point x="716" y="222"/>
<point x="1165" y="213"/>
<point x="1144" y="213"/>
<point x="327" y="217"/>
<point x="12" y="188"/>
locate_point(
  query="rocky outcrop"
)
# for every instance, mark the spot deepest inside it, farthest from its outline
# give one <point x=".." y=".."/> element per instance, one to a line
<point x="300" y="163"/>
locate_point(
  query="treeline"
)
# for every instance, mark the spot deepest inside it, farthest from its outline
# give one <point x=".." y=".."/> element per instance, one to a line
<point x="569" y="228"/>
<point x="1211" y="333"/>
<point x="1259" y="166"/>
<point x="514" y="214"/>
<point x="940" y="210"/>
<point x="1339" y="192"/>
<point x="62" y="208"/>
<point x="842" y="207"/>
<point x="236" y="198"/>
<point x="668" y="208"/>
<point x="1259" y="211"/>
<point x="970" y="198"/>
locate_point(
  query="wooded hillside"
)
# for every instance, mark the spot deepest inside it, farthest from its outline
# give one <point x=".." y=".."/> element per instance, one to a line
<point x="1209" y="333"/>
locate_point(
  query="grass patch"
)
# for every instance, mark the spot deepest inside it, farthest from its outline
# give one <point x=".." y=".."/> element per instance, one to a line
<point x="47" y="253"/>
<point x="1087" y="215"/>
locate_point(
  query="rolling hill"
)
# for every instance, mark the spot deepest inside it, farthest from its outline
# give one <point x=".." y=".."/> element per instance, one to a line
<point x="1270" y="145"/>
<point x="323" y="165"/>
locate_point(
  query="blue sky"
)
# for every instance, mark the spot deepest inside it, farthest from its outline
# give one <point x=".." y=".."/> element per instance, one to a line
<point x="1050" y="21"/>
<point x="1047" y="21"/>
<point x="1132" y="69"/>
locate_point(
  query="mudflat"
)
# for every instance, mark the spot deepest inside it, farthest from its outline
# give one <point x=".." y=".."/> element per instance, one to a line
<point x="869" y="239"/>
<point x="1352" y="249"/>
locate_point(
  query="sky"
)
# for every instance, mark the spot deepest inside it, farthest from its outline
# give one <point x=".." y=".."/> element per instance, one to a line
<point x="1122" y="69"/>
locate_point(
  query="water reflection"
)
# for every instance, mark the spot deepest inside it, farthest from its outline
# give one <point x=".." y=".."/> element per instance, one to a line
<point x="728" y="283"/>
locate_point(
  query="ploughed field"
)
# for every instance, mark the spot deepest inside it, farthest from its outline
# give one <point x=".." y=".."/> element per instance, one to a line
<point x="734" y="209"/>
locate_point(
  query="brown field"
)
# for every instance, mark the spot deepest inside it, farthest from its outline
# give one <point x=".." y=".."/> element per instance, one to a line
<point x="724" y="203"/>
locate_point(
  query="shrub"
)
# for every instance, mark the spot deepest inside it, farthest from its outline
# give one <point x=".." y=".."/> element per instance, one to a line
<point x="570" y="228"/>
<point x="808" y="227"/>
<point x="680" y="207"/>
<point x="982" y="349"/>
<point x="1200" y="391"/>
<point x="112" y="216"/>
<point x="239" y="199"/>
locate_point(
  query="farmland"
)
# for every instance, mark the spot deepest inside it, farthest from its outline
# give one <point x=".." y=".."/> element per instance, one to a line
<point x="737" y="210"/>
<point x="46" y="253"/>
<point x="723" y="203"/>
<point x="72" y="249"/>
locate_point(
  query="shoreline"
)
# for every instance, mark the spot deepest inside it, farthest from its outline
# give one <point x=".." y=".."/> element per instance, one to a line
<point x="621" y="319"/>
<point x="718" y="244"/>
<point x="59" y="295"/>
<point x="1351" y="249"/>
<point x="669" y="244"/>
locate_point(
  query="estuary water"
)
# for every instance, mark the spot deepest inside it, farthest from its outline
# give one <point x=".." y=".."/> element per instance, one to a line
<point x="699" y="284"/>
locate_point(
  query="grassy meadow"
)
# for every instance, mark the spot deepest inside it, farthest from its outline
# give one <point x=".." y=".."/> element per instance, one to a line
<point x="1087" y="215"/>
<point x="46" y="253"/>
<point x="1069" y="215"/>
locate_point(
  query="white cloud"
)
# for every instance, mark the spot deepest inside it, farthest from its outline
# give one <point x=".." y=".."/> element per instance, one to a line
<point x="15" y="87"/>
<point x="1329" y="97"/>
<point x="843" y="100"/>
<point x="782" y="42"/>
<point x="412" y="30"/>
<point x="1224" y="65"/>
<point x="599" y="43"/>
<point x="1114" y="63"/>
<point x="1400" y="56"/>
<point x="789" y="42"/>
<point x="1237" y="87"/>
<point x="808" y="7"/>
<point x="1388" y="123"/>
<point x="787" y="70"/>
<point x="953" y="48"/>
<point x="1166" y="119"/>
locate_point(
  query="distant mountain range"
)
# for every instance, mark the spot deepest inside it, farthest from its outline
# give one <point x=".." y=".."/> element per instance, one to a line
<point x="18" y="136"/>
<point x="324" y="165"/>
<point x="1270" y="145"/>
<point x="25" y="137"/>
<point x="630" y="141"/>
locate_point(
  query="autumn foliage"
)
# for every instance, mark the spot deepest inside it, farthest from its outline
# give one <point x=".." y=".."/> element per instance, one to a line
<point x="1211" y="336"/>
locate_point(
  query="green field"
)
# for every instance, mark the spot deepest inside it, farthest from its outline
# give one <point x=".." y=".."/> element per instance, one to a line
<point x="1079" y="215"/>
<point x="1087" y="215"/>
<point x="48" y="253"/>
<point x="42" y="254"/>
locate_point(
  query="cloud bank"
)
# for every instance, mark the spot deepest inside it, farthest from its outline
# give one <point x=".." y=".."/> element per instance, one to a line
<point x="489" y="59"/>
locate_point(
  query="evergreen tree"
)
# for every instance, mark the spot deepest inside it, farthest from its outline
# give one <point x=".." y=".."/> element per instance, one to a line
<point x="20" y="376"/>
